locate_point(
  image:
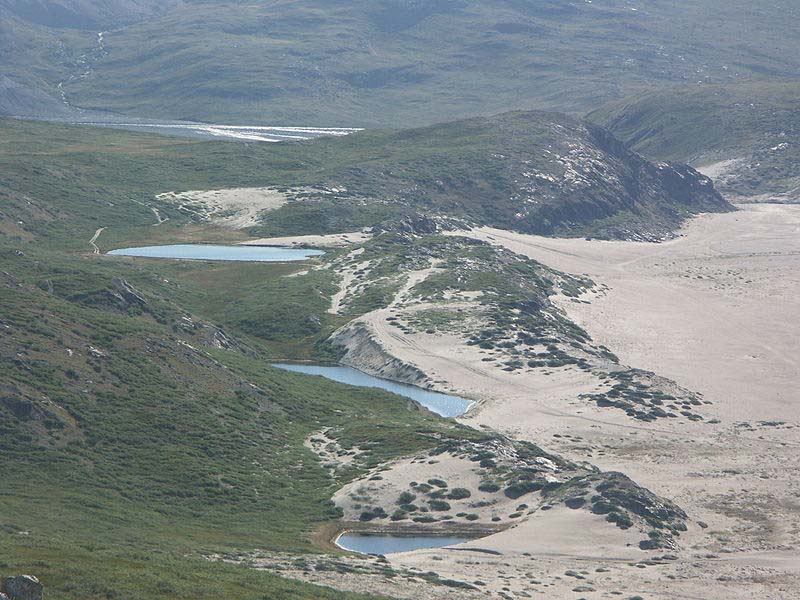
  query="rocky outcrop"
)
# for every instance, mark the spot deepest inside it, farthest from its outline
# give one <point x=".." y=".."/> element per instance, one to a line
<point x="128" y="293"/>
<point x="414" y="223"/>
<point x="119" y="296"/>
<point x="209" y="335"/>
<point x="657" y="512"/>
<point x="362" y="350"/>
<point x="535" y="172"/>
<point x="23" y="587"/>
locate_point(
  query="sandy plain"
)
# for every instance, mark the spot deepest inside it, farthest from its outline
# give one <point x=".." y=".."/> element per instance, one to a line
<point x="718" y="311"/>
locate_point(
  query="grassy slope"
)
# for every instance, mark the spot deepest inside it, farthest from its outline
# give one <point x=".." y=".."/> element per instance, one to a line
<point x="403" y="62"/>
<point x="706" y="124"/>
<point x="124" y="466"/>
<point x="536" y="172"/>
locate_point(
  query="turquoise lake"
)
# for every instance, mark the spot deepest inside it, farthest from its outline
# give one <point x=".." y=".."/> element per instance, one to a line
<point x="442" y="404"/>
<point x="387" y="544"/>
<point x="212" y="252"/>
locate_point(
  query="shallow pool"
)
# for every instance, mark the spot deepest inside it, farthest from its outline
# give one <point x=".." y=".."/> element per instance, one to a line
<point x="387" y="544"/>
<point x="442" y="404"/>
<point x="212" y="252"/>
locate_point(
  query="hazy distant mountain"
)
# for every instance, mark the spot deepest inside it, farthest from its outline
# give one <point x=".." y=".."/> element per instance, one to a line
<point x="86" y="14"/>
<point x="26" y="101"/>
<point x="384" y="62"/>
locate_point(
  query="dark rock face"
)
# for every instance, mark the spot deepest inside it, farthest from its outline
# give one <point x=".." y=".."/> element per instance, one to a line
<point x="23" y="587"/>
<point x="575" y="503"/>
<point x="619" y="193"/>
<point x="658" y="540"/>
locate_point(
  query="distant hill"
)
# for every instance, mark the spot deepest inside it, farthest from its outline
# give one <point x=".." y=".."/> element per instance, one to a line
<point x="86" y="14"/>
<point x="383" y="62"/>
<point x="746" y="136"/>
<point x="535" y="172"/>
<point x="25" y="101"/>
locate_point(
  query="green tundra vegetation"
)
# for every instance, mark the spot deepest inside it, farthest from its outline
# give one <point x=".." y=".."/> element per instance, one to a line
<point x="382" y="62"/>
<point x="141" y="426"/>
<point x="531" y="171"/>
<point x="132" y="443"/>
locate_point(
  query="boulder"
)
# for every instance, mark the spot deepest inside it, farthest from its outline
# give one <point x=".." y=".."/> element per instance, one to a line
<point x="23" y="587"/>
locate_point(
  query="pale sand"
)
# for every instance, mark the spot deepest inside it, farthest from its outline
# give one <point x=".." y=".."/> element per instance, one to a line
<point x="720" y="168"/>
<point x="231" y="207"/>
<point x="717" y="310"/>
<point x="333" y="240"/>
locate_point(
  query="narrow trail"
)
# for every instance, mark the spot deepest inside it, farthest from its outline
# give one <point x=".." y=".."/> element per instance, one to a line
<point x="95" y="247"/>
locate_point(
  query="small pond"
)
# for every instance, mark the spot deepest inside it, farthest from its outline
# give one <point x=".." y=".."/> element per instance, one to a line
<point x="442" y="404"/>
<point x="387" y="544"/>
<point x="212" y="252"/>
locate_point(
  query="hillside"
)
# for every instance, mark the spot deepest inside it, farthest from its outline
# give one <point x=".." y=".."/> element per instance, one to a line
<point x="137" y="434"/>
<point x="533" y="172"/>
<point x="746" y="136"/>
<point x="84" y="14"/>
<point x="142" y="430"/>
<point x="385" y="62"/>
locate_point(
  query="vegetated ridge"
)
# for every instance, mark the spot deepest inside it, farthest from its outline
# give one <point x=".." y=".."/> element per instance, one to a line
<point x="534" y="172"/>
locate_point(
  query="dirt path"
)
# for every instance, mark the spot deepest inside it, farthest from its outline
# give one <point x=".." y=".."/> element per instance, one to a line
<point x="95" y="247"/>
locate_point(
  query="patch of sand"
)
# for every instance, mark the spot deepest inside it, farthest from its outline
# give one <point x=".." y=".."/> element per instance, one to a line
<point x="383" y="487"/>
<point x="718" y="311"/>
<point x="333" y="240"/>
<point x="720" y="168"/>
<point x="231" y="207"/>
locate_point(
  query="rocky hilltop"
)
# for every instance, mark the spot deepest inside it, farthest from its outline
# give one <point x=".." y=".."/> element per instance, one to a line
<point x="534" y="172"/>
